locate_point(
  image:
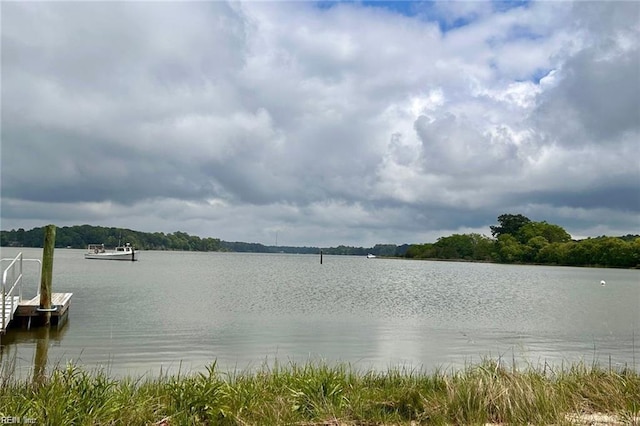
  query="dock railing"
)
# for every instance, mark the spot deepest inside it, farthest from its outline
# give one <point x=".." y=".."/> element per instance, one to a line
<point x="12" y="278"/>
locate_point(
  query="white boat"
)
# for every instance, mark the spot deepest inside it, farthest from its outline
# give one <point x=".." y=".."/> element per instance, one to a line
<point x="97" y="251"/>
<point x="371" y="256"/>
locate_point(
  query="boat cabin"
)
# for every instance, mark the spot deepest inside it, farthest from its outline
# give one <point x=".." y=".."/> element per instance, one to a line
<point x="127" y="248"/>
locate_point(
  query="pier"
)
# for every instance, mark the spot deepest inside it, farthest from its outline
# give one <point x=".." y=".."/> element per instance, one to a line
<point x="28" y="312"/>
<point x="46" y="308"/>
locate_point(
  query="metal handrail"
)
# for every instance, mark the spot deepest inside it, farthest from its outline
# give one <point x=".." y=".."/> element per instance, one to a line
<point x="17" y="281"/>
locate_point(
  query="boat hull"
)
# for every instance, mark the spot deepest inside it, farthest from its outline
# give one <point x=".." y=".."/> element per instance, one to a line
<point x="130" y="256"/>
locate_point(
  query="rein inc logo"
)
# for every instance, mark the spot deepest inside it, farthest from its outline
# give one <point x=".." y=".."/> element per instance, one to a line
<point x="11" y="420"/>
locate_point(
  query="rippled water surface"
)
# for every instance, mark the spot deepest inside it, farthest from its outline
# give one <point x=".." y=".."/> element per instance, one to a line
<point x="183" y="310"/>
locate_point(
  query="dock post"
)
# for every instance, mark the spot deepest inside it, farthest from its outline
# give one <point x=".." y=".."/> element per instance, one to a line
<point x="47" y="273"/>
<point x="321" y="257"/>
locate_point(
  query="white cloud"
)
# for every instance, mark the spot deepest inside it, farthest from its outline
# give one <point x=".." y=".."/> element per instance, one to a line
<point x="349" y="125"/>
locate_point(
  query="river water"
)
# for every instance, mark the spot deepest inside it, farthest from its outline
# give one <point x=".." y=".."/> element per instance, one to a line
<point x="181" y="311"/>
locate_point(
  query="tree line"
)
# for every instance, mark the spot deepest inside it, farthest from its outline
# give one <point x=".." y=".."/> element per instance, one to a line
<point x="515" y="239"/>
<point x="83" y="235"/>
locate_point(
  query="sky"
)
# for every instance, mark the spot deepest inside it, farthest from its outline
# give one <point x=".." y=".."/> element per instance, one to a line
<point x="321" y="123"/>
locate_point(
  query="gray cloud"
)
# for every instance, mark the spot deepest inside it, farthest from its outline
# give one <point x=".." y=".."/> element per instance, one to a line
<point x="344" y="125"/>
<point x="601" y="94"/>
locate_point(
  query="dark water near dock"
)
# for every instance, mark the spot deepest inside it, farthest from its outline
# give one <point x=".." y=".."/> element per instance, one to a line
<point x="183" y="310"/>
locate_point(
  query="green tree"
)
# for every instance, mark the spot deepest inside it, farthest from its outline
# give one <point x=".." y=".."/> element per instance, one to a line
<point x="635" y="252"/>
<point x="464" y="246"/>
<point x="614" y="252"/>
<point x="534" y="246"/>
<point x="20" y="236"/>
<point x="580" y="253"/>
<point x="483" y="246"/>
<point x="551" y="233"/>
<point x="549" y="254"/>
<point x="456" y="246"/>
<point x="384" y="249"/>
<point x="510" y="250"/>
<point x="421" y="251"/>
<point x="509" y="224"/>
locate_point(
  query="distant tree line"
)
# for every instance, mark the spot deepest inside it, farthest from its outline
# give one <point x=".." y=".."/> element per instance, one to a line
<point x="390" y="250"/>
<point x="83" y="235"/>
<point x="517" y="239"/>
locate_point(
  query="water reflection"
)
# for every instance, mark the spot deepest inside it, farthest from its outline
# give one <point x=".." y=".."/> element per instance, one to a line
<point x="41" y="356"/>
<point x="27" y="351"/>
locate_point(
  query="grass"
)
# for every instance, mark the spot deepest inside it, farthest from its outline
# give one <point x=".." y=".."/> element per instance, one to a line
<point x="321" y="394"/>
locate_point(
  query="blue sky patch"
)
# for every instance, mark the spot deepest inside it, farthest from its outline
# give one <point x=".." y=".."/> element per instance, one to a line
<point x="504" y="6"/>
<point x="406" y="8"/>
<point x="426" y="10"/>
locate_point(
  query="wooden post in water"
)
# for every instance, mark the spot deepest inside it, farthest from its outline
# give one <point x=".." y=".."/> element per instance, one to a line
<point x="321" y="257"/>
<point x="46" y="276"/>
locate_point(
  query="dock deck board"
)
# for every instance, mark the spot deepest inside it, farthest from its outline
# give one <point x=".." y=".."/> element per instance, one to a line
<point x="56" y="299"/>
<point x="30" y="307"/>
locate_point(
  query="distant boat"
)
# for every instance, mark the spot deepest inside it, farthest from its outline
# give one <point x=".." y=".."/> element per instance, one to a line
<point x="371" y="256"/>
<point x="97" y="251"/>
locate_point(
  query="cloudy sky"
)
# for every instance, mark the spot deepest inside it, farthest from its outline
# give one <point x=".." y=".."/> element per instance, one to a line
<point x="325" y="123"/>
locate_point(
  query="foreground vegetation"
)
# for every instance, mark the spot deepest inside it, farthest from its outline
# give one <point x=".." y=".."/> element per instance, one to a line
<point x="318" y="394"/>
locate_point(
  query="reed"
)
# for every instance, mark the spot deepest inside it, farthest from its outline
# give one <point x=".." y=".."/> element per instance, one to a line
<point x="316" y="393"/>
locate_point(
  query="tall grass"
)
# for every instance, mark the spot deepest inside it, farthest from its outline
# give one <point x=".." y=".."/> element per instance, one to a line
<point x="321" y="394"/>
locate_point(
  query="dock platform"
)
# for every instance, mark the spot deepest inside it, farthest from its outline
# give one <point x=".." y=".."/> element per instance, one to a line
<point x="26" y="313"/>
<point x="28" y="310"/>
<point x="14" y="308"/>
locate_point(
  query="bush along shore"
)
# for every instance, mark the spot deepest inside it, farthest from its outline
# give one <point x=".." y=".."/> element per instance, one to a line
<point x="321" y="394"/>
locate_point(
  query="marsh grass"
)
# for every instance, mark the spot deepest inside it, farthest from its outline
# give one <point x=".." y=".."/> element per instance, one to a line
<point x="317" y="393"/>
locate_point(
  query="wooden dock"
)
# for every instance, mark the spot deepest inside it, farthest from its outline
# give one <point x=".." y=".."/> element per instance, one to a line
<point x="27" y="312"/>
<point x="60" y="303"/>
<point x="46" y="308"/>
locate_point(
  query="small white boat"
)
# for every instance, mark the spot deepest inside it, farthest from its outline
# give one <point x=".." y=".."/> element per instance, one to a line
<point x="371" y="256"/>
<point x="97" y="251"/>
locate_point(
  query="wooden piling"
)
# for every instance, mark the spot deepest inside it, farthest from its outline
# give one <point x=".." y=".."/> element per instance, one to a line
<point x="46" y="277"/>
<point x="321" y="257"/>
